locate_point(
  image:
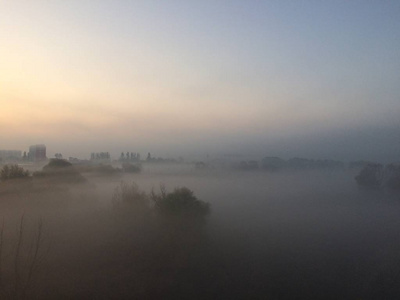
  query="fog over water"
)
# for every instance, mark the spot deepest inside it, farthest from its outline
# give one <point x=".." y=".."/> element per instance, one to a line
<point x="280" y="235"/>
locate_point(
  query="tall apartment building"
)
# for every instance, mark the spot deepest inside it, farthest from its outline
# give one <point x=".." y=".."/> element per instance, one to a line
<point x="37" y="153"/>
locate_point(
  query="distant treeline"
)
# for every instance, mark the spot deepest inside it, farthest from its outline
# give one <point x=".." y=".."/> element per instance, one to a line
<point x="273" y="163"/>
<point x="129" y="156"/>
<point x="276" y="163"/>
<point x="151" y="159"/>
<point x="379" y="176"/>
<point x="105" y="156"/>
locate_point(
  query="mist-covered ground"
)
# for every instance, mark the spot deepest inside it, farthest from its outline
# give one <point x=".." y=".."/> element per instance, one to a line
<point x="282" y="235"/>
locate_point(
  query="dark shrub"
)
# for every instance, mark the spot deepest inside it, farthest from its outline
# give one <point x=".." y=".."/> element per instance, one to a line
<point x="180" y="202"/>
<point x="129" y="194"/>
<point x="56" y="163"/>
<point x="370" y="176"/>
<point x="101" y="169"/>
<point x="60" y="170"/>
<point x="13" y="171"/>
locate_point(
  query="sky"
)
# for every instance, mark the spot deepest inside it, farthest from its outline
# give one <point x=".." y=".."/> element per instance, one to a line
<point x="317" y="79"/>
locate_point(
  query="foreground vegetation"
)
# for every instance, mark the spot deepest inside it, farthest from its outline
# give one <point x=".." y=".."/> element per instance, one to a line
<point x="166" y="244"/>
<point x="13" y="172"/>
<point x="378" y="176"/>
<point x="141" y="234"/>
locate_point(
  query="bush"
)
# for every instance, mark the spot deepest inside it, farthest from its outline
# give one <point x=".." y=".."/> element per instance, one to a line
<point x="60" y="170"/>
<point x="178" y="206"/>
<point x="377" y="176"/>
<point x="105" y="169"/>
<point x="370" y="176"/>
<point x="20" y="260"/>
<point x="56" y="163"/>
<point x="129" y="194"/>
<point x="180" y="202"/>
<point x="13" y="171"/>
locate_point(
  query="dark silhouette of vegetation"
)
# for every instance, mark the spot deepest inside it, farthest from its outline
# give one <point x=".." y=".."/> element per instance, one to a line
<point x="180" y="202"/>
<point x="298" y="163"/>
<point x="129" y="195"/>
<point x="100" y="156"/>
<point x="370" y="176"/>
<point x="161" y="160"/>
<point x="60" y="170"/>
<point x="13" y="172"/>
<point x="130" y="157"/>
<point x="359" y="164"/>
<point x="57" y="164"/>
<point x="19" y="265"/>
<point x="379" y="176"/>
<point x="304" y="163"/>
<point x="156" y="245"/>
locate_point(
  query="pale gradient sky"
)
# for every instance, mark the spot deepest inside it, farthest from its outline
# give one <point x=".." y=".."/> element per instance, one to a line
<point x="309" y="78"/>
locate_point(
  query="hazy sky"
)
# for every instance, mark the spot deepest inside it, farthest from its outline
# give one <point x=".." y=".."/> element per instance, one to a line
<point x="288" y="78"/>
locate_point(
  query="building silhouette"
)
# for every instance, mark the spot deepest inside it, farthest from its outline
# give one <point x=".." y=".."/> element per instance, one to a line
<point x="37" y="152"/>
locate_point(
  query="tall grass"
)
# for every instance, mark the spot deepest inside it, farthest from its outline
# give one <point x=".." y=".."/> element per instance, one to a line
<point x="20" y="258"/>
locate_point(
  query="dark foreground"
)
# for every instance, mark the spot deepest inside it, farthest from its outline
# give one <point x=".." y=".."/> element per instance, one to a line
<point x="304" y="235"/>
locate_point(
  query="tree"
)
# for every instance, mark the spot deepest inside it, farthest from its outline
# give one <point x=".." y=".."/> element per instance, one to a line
<point x="13" y="171"/>
<point x="24" y="259"/>
<point x="370" y="176"/>
<point x="130" y="195"/>
<point x="181" y="202"/>
<point x="56" y="163"/>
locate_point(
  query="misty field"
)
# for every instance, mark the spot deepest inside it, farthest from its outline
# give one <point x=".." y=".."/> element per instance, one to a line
<point x="283" y="235"/>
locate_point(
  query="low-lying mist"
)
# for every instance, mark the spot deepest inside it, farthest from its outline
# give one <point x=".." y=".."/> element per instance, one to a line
<point x="270" y="235"/>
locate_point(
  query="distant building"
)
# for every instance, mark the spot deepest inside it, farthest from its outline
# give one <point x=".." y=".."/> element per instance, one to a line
<point x="10" y="155"/>
<point x="37" y="153"/>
